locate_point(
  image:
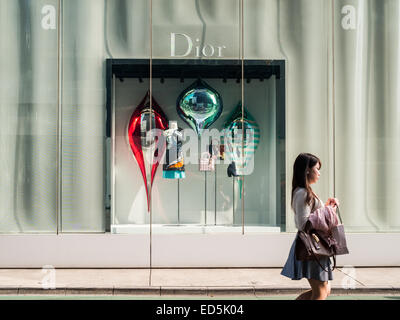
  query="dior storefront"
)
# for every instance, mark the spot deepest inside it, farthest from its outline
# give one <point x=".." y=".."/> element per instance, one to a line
<point x="162" y="133"/>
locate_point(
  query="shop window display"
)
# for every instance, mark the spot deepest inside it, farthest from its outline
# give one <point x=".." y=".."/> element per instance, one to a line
<point x="221" y="162"/>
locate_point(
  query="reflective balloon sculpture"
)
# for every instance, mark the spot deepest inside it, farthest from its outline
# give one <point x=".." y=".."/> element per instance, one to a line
<point x="199" y="106"/>
<point x="139" y="126"/>
<point x="240" y="147"/>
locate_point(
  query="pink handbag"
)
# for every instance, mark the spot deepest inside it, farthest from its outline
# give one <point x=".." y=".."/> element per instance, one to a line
<point x="340" y="245"/>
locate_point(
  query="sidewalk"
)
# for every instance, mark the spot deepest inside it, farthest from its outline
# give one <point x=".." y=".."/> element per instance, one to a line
<point x="193" y="282"/>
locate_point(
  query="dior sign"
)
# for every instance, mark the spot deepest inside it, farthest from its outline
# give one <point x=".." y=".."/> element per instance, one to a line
<point x="198" y="51"/>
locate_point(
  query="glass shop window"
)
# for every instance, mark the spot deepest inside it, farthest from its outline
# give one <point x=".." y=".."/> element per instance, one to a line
<point x="187" y="159"/>
<point x="185" y="150"/>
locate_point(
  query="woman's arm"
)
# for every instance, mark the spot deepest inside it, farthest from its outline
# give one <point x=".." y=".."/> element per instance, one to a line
<point x="301" y="209"/>
<point x="323" y="219"/>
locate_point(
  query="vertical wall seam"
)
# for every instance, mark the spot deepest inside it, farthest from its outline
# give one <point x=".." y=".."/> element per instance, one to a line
<point x="333" y="98"/>
<point x="59" y="120"/>
<point x="243" y="129"/>
<point x="112" y="189"/>
<point x="151" y="111"/>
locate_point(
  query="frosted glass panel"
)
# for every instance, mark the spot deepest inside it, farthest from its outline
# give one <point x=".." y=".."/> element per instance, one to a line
<point x="197" y="29"/>
<point x="28" y="116"/>
<point x="367" y="73"/>
<point x="83" y="116"/>
<point x="261" y="185"/>
<point x="224" y="196"/>
<point x="130" y="200"/>
<point x="210" y="201"/>
<point x="301" y="35"/>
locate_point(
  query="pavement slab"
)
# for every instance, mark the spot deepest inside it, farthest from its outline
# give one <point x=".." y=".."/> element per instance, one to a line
<point x="200" y="282"/>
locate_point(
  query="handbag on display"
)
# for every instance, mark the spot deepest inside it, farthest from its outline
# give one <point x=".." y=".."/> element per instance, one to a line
<point x="338" y="234"/>
<point x="207" y="162"/>
<point x="310" y="245"/>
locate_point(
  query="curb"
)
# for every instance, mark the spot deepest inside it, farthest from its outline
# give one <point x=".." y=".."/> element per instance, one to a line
<point x="193" y="291"/>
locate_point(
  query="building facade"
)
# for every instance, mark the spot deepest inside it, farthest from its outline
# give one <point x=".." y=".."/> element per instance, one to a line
<point x="306" y="76"/>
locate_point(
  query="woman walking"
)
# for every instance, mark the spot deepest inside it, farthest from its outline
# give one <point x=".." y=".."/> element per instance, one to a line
<point x="304" y="202"/>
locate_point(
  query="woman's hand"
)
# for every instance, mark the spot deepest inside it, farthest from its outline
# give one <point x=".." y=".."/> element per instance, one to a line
<point x="332" y="202"/>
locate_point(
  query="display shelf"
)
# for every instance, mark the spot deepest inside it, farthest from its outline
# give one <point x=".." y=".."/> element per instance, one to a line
<point x="189" y="229"/>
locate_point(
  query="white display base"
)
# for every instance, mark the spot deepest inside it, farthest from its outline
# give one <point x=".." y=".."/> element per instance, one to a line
<point x="189" y="229"/>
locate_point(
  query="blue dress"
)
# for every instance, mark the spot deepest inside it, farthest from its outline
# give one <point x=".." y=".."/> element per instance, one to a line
<point x="296" y="269"/>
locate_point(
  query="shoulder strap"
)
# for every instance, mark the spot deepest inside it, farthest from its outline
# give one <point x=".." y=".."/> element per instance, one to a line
<point x="338" y="213"/>
<point x="334" y="262"/>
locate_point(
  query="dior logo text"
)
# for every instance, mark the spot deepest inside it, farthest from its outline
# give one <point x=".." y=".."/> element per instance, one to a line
<point x="195" y="48"/>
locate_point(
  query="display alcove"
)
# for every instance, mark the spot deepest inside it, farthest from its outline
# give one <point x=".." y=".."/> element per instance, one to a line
<point x="202" y="201"/>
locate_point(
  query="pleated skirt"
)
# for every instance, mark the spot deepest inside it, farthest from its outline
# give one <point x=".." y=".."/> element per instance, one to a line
<point x="296" y="269"/>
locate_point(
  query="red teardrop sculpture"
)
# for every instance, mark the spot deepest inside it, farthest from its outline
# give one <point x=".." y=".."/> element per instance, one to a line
<point x="137" y="129"/>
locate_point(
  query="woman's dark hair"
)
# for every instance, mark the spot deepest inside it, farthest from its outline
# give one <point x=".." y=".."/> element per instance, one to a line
<point x="303" y="163"/>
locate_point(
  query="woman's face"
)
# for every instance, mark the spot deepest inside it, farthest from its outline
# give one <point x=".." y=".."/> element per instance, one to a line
<point x="313" y="174"/>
